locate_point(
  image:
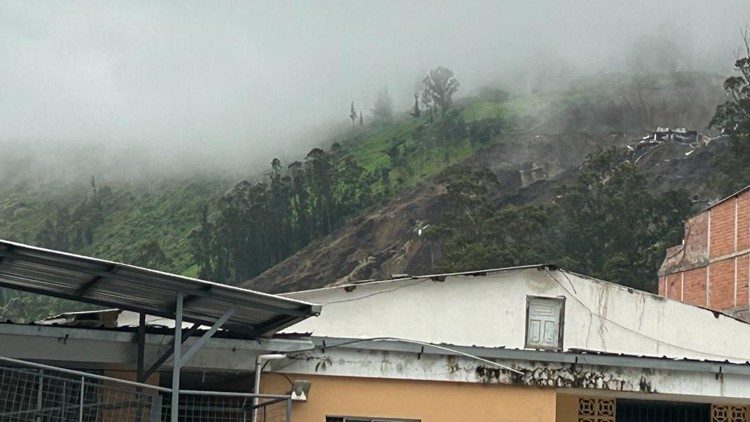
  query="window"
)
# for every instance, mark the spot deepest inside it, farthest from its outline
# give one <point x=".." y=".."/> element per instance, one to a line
<point x="365" y="419"/>
<point x="544" y="322"/>
<point x="658" y="411"/>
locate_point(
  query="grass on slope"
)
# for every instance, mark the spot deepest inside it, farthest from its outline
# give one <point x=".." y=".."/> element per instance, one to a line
<point x="135" y="213"/>
<point x="369" y="144"/>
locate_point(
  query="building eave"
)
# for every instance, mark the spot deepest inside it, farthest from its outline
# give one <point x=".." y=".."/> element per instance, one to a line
<point x="573" y="357"/>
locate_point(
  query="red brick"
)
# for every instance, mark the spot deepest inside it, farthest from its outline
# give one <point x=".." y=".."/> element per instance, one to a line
<point x="721" y="284"/>
<point x="696" y="239"/>
<point x="674" y="286"/>
<point x="662" y="285"/>
<point x="743" y="221"/>
<point x="743" y="277"/>
<point x="694" y="290"/>
<point x="721" y="229"/>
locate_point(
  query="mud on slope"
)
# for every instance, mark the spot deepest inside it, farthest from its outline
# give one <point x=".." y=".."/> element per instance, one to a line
<point x="387" y="241"/>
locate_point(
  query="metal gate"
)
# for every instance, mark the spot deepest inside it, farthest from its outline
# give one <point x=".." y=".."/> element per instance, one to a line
<point x="655" y="411"/>
<point x="31" y="392"/>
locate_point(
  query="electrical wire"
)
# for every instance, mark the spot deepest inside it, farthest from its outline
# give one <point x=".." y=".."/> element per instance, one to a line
<point x="403" y="340"/>
<point x="592" y="313"/>
<point x="373" y="294"/>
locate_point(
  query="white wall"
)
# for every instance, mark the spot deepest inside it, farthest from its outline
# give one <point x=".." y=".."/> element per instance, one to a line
<point x="625" y="381"/>
<point x="490" y="311"/>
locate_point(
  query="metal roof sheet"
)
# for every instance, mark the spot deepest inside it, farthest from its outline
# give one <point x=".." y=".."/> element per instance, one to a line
<point x="112" y="284"/>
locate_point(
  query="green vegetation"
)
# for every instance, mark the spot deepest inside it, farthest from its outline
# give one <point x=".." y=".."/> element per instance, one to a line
<point x="733" y="118"/>
<point x="143" y="223"/>
<point x="605" y="224"/>
<point x="259" y="223"/>
<point x="226" y="232"/>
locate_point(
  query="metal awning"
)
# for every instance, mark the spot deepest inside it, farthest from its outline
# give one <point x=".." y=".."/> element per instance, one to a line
<point x="142" y="290"/>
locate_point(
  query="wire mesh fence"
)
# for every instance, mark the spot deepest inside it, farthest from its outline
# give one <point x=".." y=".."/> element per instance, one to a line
<point x="229" y="408"/>
<point x="40" y="393"/>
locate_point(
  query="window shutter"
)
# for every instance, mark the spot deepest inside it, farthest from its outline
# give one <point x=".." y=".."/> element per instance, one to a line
<point x="544" y="322"/>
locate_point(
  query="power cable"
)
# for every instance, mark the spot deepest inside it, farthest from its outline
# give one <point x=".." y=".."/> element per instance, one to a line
<point x="403" y="340"/>
<point x="591" y="312"/>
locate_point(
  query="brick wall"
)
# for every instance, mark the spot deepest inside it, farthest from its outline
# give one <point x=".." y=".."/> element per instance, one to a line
<point x="721" y="284"/>
<point x="712" y="267"/>
<point x="743" y="277"/>
<point x="721" y="221"/>
<point x="694" y="286"/>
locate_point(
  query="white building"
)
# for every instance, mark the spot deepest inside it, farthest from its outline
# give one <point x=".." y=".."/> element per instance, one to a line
<point x="569" y="344"/>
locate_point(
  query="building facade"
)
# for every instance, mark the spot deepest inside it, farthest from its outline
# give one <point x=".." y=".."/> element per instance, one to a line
<point x="711" y="268"/>
<point x="521" y="344"/>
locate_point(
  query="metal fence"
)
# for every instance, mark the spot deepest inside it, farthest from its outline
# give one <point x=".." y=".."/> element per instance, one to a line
<point x="31" y="392"/>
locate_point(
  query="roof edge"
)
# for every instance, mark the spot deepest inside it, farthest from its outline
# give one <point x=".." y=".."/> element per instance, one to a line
<point x="572" y="356"/>
<point x="476" y="273"/>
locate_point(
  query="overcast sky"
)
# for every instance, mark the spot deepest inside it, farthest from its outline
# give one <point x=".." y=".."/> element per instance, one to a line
<point x="229" y="82"/>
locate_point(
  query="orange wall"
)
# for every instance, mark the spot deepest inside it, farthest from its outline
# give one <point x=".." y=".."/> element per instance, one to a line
<point x="567" y="408"/>
<point x="113" y="392"/>
<point x="428" y="401"/>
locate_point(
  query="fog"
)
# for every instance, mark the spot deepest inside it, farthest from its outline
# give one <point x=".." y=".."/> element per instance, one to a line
<point x="125" y="87"/>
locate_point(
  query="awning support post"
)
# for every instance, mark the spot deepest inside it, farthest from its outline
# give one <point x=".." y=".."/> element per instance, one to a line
<point x="139" y="375"/>
<point x="179" y="359"/>
<point x="163" y="358"/>
<point x="141" y="346"/>
<point x="174" y="410"/>
<point x="205" y="337"/>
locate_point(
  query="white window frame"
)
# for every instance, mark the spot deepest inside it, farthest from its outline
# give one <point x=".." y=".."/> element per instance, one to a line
<point x="560" y="323"/>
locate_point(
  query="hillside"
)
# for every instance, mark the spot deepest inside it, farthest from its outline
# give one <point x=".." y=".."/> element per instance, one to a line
<point x="525" y="169"/>
<point x="135" y="214"/>
<point x="529" y="144"/>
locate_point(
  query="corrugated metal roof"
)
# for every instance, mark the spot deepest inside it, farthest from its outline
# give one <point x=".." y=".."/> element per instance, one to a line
<point x="112" y="284"/>
<point x="570" y="356"/>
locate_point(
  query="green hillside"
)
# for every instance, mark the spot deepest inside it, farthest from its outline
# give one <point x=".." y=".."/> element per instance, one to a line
<point x="218" y="228"/>
<point x="153" y="222"/>
<point x="134" y="215"/>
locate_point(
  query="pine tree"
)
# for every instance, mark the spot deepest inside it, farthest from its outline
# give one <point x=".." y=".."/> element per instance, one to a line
<point x="353" y="113"/>
<point x="415" y="111"/>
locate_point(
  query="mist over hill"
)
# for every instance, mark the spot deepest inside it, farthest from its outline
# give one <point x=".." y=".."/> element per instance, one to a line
<point x="286" y="146"/>
<point x="118" y="89"/>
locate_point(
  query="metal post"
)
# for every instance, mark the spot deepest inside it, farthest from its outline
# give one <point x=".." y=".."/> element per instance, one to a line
<point x="141" y="346"/>
<point x="259" y="363"/>
<point x="288" y="410"/>
<point x="39" y="397"/>
<point x="139" y="369"/>
<point x="155" y="415"/>
<point x="177" y="357"/>
<point x="80" y="410"/>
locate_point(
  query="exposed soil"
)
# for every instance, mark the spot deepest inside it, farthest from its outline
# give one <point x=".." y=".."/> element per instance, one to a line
<point x="386" y="241"/>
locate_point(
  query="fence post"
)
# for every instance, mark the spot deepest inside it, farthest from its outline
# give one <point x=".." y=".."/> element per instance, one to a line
<point x="39" y="397"/>
<point x="177" y="358"/>
<point x="288" y="410"/>
<point x="80" y="410"/>
<point x="156" y="402"/>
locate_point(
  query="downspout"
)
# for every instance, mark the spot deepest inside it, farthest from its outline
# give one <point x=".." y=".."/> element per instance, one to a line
<point x="259" y="362"/>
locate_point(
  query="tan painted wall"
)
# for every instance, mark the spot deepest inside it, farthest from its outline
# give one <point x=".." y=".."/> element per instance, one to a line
<point x="114" y="392"/>
<point x="567" y="408"/>
<point x="427" y="401"/>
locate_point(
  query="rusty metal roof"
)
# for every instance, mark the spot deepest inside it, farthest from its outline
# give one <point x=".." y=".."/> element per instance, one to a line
<point x="111" y="284"/>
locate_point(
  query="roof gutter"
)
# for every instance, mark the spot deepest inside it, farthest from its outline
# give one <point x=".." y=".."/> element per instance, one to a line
<point x="577" y="358"/>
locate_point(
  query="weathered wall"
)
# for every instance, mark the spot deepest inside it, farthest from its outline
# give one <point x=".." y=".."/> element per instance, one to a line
<point x="712" y="268"/>
<point x="567" y="408"/>
<point x="615" y="381"/>
<point x="428" y="401"/>
<point x="115" y="392"/>
<point x="490" y="311"/>
<point x="82" y="348"/>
